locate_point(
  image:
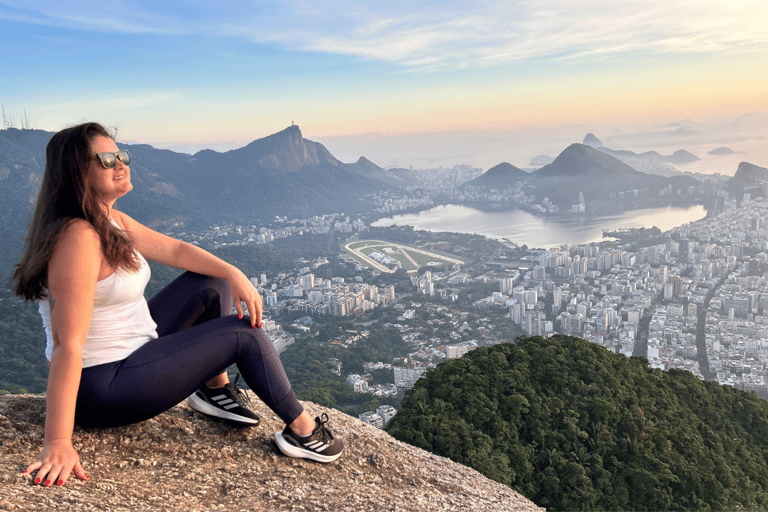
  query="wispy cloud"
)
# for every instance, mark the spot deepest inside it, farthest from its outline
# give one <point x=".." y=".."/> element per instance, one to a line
<point x="90" y="15"/>
<point x="430" y="34"/>
<point x="560" y="30"/>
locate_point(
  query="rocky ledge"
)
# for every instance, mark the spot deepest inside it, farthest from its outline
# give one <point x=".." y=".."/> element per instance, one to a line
<point x="182" y="460"/>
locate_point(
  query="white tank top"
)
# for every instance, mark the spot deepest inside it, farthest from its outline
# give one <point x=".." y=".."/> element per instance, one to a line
<point x="120" y="322"/>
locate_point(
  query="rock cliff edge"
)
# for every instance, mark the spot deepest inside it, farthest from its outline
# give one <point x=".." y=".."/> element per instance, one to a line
<point x="182" y="460"/>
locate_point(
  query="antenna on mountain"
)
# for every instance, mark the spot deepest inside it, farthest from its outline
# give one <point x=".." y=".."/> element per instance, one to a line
<point x="25" y="123"/>
<point x="5" y="121"/>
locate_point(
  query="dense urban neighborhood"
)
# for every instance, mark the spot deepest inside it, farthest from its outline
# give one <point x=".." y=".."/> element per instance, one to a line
<point x="692" y="298"/>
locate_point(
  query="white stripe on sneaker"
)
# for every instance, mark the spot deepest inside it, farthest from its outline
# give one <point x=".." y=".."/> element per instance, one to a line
<point x="231" y="406"/>
<point x="200" y="404"/>
<point x="317" y="446"/>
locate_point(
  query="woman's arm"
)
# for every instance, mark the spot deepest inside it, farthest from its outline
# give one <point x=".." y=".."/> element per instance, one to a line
<point x="72" y="275"/>
<point x="175" y="253"/>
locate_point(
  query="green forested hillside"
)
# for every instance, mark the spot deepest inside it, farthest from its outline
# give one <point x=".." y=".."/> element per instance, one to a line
<point x="23" y="367"/>
<point x="575" y="427"/>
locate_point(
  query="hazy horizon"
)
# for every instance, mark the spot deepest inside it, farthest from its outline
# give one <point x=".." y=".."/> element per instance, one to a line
<point x="422" y="84"/>
<point x="484" y="149"/>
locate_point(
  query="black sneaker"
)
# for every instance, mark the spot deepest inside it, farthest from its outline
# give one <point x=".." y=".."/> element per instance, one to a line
<point x="320" y="445"/>
<point x="225" y="402"/>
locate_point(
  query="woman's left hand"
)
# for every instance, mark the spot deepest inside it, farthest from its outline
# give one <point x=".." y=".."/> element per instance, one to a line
<point x="244" y="292"/>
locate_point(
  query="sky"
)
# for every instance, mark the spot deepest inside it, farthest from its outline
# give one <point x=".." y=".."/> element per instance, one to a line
<point x="417" y="83"/>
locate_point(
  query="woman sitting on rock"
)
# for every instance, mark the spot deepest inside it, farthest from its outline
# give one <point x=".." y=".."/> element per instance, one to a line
<point x="116" y="359"/>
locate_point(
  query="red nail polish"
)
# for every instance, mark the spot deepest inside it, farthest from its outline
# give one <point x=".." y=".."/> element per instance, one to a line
<point x="60" y="482"/>
<point x="24" y="472"/>
<point x="47" y="482"/>
<point x="240" y="316"/>
<point x="37" y="480"/>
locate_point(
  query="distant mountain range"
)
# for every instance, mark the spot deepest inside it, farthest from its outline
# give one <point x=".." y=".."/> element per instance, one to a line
<point x="580" y="169"/>
<point x="285" y="174"/>
<point x="277" y="175"/>
<point x="22" y="157"/>
<point x="649" y="162"/>
<point x="282" y="174"/>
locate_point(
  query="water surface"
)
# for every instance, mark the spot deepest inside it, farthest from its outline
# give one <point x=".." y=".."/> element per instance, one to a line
<point x="540" y="231"/>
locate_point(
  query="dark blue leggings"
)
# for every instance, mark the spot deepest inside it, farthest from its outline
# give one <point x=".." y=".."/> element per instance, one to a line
<point x="198" y="339"/>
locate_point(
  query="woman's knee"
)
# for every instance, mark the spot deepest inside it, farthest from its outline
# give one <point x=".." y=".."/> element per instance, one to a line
<point x="254" y="336"/>
<point x="214" y="293"/>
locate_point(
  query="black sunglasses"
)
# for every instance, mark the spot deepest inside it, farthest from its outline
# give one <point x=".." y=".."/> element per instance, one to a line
<point x="109" y="160"/>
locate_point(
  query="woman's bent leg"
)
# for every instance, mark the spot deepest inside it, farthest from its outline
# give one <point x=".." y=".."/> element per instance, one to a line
<point x="192" y="299"/>
<point x="188" y="300"/>
<point x="168" y="369"/>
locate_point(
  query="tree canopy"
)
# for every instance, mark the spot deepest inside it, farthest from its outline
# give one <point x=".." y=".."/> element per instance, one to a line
<point x="573" y="426"/>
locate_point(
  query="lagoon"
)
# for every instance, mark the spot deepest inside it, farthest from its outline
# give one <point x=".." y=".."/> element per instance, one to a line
<point x="544" y="232"/>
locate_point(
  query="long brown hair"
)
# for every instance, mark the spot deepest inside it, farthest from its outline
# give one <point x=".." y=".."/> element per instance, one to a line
<point x="65" y="195"/>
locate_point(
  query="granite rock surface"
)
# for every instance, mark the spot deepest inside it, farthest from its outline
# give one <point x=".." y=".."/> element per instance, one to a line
<point x="182" y="460"/>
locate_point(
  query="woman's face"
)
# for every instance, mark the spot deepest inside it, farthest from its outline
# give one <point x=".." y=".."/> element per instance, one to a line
<point x="109" y="184"/>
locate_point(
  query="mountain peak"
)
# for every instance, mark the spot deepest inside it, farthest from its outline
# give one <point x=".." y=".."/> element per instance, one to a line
<point x="581" y="168"/>
<point x="503" y="175"/>
<point x="591" y="140"/>
<point x="292" y="131"/>
<point x="288" y="151"/>
<point x="182" y="460"/>
<point x="748" y="177"/>
<point x="746" y="167"/>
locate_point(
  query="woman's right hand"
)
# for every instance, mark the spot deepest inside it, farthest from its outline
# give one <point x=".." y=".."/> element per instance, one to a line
<point x="57" y="461"/>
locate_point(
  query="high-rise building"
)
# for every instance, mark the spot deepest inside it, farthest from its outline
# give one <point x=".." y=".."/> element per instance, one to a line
<point x="533" y="325"/>
<point x="530" y="297"/>
<point x="601" y="323"/>
<point x="677" y="285"/>
<point x="307" y="281"/>
<point x="661" y="274"/>
<point x="506" y="284"/>
<point x="557" y="298"/>
<point x="517" y="311"/>
<point x="575" y="323"/>
<point x="337" y="308"/>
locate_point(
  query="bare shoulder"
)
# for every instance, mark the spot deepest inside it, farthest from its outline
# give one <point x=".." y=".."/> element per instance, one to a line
<point x="78" y="240"/>
<point x="77" y="257"/>
<point x="80" y="231"/>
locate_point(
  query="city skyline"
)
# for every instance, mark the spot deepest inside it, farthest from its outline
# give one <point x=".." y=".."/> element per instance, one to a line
<point x="423" y="83"/>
